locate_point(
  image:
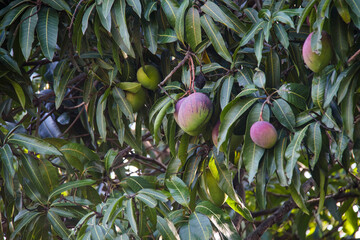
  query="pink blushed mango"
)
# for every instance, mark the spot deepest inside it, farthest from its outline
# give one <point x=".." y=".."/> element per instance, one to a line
<point x="316" y="62"/>
<point x="194" y="113"/>
<point x="263" y="134"/>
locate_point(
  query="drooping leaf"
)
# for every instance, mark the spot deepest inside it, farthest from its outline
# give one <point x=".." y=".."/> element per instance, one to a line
<point x="295" y="94"/>
<point x="225" y="92"/>
<point x="273" y="69"/>
<point x="60" y="86"/>
<point x="85" y="19"/>
<point x="121" y="101"/>
<point x="7" y="159"/>
<point x="70" y="185"/>
<point x="100" y="118"/>
<point x="167" y="229"/>
<point x="314" y="142"/>
<point x="200" y="226"/>
<point x="34" y="144"/>
<point x="193" y="28"/>
<point x="230" y="114"/>
<point x="318" y="90"/>
<point x="58" y="5"/>
<point x="215" y="37"/>
<point x="170" y="8"/>
<point x="284" y="113"/>
<point x="219" y="218"/>
<point x="27" y="30"/>
<point x="178" y="190"/>
<point x="292" y="153"/>
<point x="58" y="225"/>
<point x="47" y="31"/>
<point x="180" y="21"/>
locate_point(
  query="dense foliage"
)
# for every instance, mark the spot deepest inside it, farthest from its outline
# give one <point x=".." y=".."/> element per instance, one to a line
<point x="77" y="162"/>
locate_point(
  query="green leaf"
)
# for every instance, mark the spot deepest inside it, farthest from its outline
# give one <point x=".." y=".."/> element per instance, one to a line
<point x="305" y="13"/>
<point x="10" y="64"/>
<point x="318" y="90"/>
<point x="314" y="142"/>
<point x="106" y="6"/>
<point x="47" y="31"/>
<point x="295" y="94"/>
<point x="58" y="5"/>
<point x="261" y="183"/>
<point x="104" y="19"/>
<point x="7" y="159"/>
<point x="33" y="174"/>
<point x="136" y="6"/>
<point x="219" y="218"/>
<point x="19" y="93"/>
<point x="178" y="190"/>
<point x="183" y="148"/>
<point x="236" y="24"/>
<point x="215" y="37"/>
<point x="226" y="184"/>
<point x="28" y="218"/>
<point x="70" y="185"/>
<point x="150" y="7"/>
<point x="328" y="120"/>
<point x="180" y="18"/>
<point x="121" y="101"/>
<point x="119" y="30"/>
<point x="306" y="116"/>
<point x="351" y="221"/>
<point x="252" y="14"/>
<point x="230" y="114"/>
<point x="12" y="15"/>
<point x="279" y="154"/>
<point x="110" y="158"/>
<point x="339" y="35"/>
<point x="60" y="86"/>
<point x="273" y="69"/>
<point x="296" y="192"/>
<point x="225" y="92"/>
<point x="151" y="35"/>
<point x="343" y="10"/>
<point x="158" y="120"/>
<point x="170" y="8"/>
<point x="114" y="205"/>
<point x="148" y="200"/>
<point x="85" y="19"/>
<point x="167" y="36"/>
<point x="342" y="144"/>
<point x="347" y="111"/>
<point x="249" y="89"/>
<point x="332" y="89"/>
<point x="200" y="226"/>
<point x="154" y="194"/>
<point x="281" y="35"/>
<point x="27" y="30"/>
<point x="259" y="79"/>
<point x="216" y="13"/>
<point x="137" y="183"/>
<point x="97" y="232"/>
<point x="284" y="114"/>
<point x="191" y="168"/>
<point x="166" y="229"/>
<point x="79" y="151"/>
<point x="252" y="153"/>
<point x="130" y="215"/>
<point x="251" y="33"/>
<point x="292" y="153"/>
<point x="284" y="18"/>
<point x="354" y="6"/>
<point x="34" y="144"/>
<point x="258" y="46"/>
<point x="58" y="225"/>
<point x="193" y="28"/>
<point x="100" y="117"/>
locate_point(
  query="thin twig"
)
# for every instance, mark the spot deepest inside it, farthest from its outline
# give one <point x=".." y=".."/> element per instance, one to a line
<point x="187" y="55"/>
<point x="73" y="17"/>
<point x="354" y="56"/>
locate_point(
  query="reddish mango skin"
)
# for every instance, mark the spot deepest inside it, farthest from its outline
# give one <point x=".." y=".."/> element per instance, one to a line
<point x="314" y="61"/>
<point x="263" y="134"/>
<point x="177" y="107"/>
<point x="215" y="133"/>
<point x="194" y="113"/>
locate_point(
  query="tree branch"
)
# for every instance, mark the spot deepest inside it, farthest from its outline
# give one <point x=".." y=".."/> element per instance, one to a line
<point x="279" y="214"/>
